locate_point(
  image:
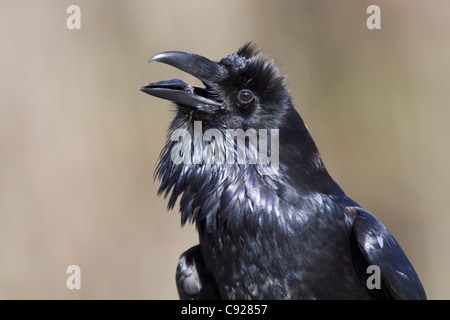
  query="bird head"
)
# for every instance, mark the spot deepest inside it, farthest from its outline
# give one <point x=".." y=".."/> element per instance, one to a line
<point x="242" y="90"/>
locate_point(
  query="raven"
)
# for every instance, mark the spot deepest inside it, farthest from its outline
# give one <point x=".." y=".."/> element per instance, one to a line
<point x="277" y="229"/>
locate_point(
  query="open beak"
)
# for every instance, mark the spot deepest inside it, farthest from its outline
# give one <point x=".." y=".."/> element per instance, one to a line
<point x="181" y="92"/>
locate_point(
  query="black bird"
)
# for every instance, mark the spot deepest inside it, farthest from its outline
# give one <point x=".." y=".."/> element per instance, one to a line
<point x="278" y="229"/>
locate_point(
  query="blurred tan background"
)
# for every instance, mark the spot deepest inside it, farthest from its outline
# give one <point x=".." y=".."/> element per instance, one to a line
<point x="79" y="141"/>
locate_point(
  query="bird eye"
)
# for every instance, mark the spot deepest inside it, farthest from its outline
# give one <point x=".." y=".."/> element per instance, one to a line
<point x="245" y="96"/>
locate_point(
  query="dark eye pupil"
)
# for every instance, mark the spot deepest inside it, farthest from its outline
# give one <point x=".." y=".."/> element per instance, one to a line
<point x="245" y="96"/>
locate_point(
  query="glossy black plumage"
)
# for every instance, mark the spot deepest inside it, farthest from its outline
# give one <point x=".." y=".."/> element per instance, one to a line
<point x="284" y="232"/>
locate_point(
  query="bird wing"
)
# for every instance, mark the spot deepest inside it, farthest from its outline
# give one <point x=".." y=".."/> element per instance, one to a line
<point x="380" y="248"/>
<point x="194" y="282"/>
